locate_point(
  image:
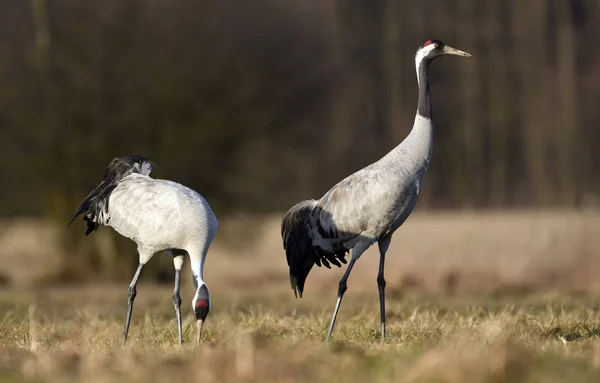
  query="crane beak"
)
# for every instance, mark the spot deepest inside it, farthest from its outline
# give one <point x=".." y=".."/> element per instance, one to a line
<point x="448" y="50"/>
<point x="199" y="324"/>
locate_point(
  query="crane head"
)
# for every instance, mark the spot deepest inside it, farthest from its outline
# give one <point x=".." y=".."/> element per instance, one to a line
<point x="432" y="49"/>
<point x="201" y="304"/>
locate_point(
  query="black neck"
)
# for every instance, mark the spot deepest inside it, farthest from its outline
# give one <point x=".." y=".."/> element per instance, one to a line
<point x="424" y="105"/>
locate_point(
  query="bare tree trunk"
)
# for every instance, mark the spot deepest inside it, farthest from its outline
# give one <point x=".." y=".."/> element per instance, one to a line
<point x="498" y="108"/>
<point x="529" y="35"/>
<point x="590" y="163"/>
<point x="393" y="68"/>
<point x="55" y="203"/>
<point x="373" y="11"/>
<point x="341" y="130"/>
<point x="567" y="128"/>
<point x="471" y="116"/>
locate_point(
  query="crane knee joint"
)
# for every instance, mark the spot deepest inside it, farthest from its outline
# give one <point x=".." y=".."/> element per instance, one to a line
<point x="131" y="292"/>
<point x="176" y="300"/>
<point x="381" y="281"/>
<point x="342" y="287"/>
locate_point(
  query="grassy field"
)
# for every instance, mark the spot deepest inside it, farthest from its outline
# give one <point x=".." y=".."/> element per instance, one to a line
<point x="73" y="335"/>
<point x="472" y="297"/>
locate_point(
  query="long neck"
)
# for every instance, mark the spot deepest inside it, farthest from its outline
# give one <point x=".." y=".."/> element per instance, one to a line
<point x="424" y="105"/>
<point x="418" y="143"/>
<point x="197" y="271"/>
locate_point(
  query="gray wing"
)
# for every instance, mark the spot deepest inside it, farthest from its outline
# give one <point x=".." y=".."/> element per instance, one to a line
<point x="368" y="203"/>
<point x="143" y="208"/>
<point x="342" y="213"/>
<point x="95" y="205"/>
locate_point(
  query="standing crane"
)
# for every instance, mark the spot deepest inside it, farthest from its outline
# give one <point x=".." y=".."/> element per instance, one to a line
<point x="367" y="206"/>
<point x="158" y="215"/>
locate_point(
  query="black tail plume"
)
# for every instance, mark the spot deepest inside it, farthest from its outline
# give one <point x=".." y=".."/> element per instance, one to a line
<point x="97" y="201"/>
<point x="298" y="243"/>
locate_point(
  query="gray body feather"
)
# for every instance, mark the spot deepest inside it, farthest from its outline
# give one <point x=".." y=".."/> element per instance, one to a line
<point x="369" y="205"/>
<point x="158" y="215"/>
<point x="363" y="208"/>
<point x="95" y="205"/>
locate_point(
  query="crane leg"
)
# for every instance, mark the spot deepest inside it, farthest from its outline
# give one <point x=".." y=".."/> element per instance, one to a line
<point x="178" y="262"/>
<point x="341" y="290"/>
<point x="384" y="244"/>
<point x="131" y="293"/>
<point x="381" y="287"/>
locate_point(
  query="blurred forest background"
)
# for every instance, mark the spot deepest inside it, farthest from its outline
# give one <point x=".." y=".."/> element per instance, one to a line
<point x="260" y="104"/>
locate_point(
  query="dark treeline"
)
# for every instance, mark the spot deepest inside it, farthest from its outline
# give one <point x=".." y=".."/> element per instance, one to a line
<point x="260" y="104"/>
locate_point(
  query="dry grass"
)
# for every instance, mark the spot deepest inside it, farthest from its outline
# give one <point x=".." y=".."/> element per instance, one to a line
<point x="472" y="297"/>
<point x="73" y="335"/>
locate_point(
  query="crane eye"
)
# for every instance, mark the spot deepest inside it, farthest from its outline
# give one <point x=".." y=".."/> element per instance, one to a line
<point x="436" y="45"/>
